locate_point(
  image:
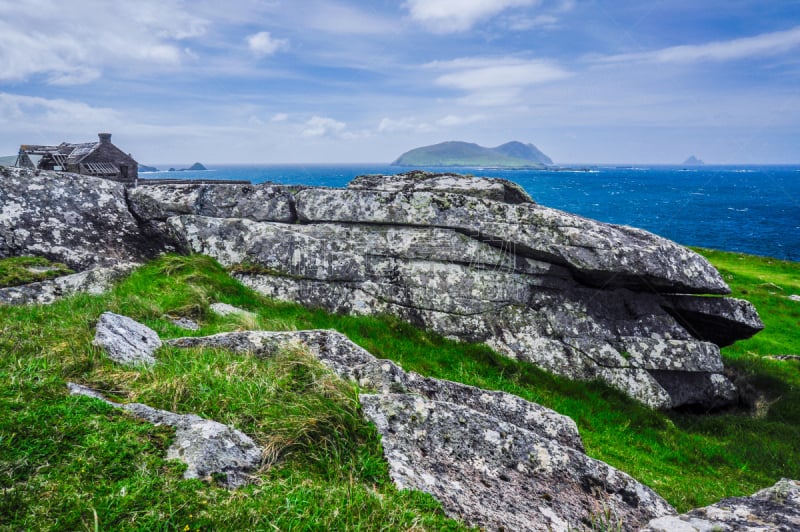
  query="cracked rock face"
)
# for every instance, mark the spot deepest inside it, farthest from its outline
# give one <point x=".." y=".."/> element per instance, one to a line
<point x="468" y="288"/>
<point x="776" y="508"/>
<point x="492" y="459"/>
<point x="81" y="221"/>
<point x="207" y="447"/>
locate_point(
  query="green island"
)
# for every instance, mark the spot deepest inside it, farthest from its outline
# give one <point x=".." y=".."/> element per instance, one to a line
<point x="512" y="154"/>
<point x="73" y="463"/>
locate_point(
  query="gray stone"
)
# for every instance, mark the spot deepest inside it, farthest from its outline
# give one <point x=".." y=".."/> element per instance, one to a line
<point x="794" y="297"/>
<point x="776" y="508"/>
<point x="126" y="341"/>
<point x="464" y="288"/>
<point x="722" y="320"/>
<point x="491" y="458"/>
<point x="498" y="476"/>
<point x="93" y="281"/>
<point x="264" y="202"/>
<point x="186" y="323"/>
<point x="490" y="188"/>
<point x="79" y="220"/>
<point x="598" y="254"/>
<point x="207" y="447"/>
<point x="224" y="309"/>
<point x="352" y="362"/>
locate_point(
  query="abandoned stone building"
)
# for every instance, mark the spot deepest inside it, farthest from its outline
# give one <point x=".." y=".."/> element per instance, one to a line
<point x="99" y="159"/>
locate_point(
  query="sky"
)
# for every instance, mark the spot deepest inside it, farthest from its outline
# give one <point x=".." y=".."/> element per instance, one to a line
<point x="346" y="81"/>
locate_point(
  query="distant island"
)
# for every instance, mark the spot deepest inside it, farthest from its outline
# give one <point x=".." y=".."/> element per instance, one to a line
<point x="456" y="153"/>
<point x="145" y="168"/>
<point x="195" y="167"/>
<point x="693" y="161"/>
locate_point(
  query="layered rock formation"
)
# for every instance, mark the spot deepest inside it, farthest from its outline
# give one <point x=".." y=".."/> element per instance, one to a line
<point x="470" y="258"/>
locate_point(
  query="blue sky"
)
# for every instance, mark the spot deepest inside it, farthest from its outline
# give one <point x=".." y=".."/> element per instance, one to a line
<point x="307" y="81"/>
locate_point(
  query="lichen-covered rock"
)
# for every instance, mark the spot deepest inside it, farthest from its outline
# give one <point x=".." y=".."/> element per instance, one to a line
<point x="208" y="448"/>
<point x="722" y="320"/>
<point x="598" y="254"/>
<point x="264" y="202"/>
<point x="498" y="476"/>
<point x="350" y="361"/>
<point x="491" y="458"/>
<point x="224" y="309"/>
<point x="776" y="508"/>
<point x="94" y="281"/>
<point x="81" y="221"/>
<point x="491" y="188"/>
<point x="126" y="341"/>
<point x="461" y="287"/>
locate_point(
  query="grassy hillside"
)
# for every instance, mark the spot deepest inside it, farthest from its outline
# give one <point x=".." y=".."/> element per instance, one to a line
<point x="74" y="463"/>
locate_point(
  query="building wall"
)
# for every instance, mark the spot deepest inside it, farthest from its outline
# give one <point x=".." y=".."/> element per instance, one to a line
<point x="108" y="153"/>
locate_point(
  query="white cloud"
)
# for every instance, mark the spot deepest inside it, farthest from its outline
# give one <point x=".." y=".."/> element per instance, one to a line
<point x="388" y="125"/>
<point x="320" y="126"/>
<point x="495" y="81"/>
<point x="279" y="117"/>
<point x="262" y="43"/>
<point x="455" y="120"/>
<point x="35" y="113"/>
<point x="332" y="17"/>
<point x="446" y="16"/>
<point x="73" y="42"/>
<point x="757" y="46"/>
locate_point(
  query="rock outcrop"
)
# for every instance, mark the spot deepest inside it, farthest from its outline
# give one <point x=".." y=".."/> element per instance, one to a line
<point x="492" y="459"/>
<point x="79" y="220"/>
<point x="210" y="449"/>
<point x="776" y="508"/>
<point x="471" y="258"/>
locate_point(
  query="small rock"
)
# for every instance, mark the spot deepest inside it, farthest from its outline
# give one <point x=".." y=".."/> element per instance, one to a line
<point x="794" y="297"/>
<point x="224" y="309"/>
<point x="776" y="508"/>
<point x="207" y="447"/>
<point x="186" y="323"/>
<point x="125" y="340"/>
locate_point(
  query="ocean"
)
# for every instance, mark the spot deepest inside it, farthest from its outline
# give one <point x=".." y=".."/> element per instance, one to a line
<point x="750" y="209"/>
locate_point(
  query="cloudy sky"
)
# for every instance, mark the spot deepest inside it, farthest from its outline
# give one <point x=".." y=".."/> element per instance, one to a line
<point x="312" y="81"/>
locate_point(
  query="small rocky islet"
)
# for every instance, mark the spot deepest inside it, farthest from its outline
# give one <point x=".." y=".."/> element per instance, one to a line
<point x="471" y="258"/>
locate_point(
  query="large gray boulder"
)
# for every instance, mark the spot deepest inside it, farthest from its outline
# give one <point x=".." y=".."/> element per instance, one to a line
<point x="492" y="459"/>
<point x="776" y="508"/>
<point x="79" y="220"/>
<point x="126" y="341"/>
<point x="466" y="288"/>
<point x="208" y="448"/>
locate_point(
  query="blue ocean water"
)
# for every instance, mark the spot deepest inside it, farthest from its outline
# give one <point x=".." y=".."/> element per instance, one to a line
<point x="751" y="209"/>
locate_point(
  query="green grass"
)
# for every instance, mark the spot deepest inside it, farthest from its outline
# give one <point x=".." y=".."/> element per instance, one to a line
<point x="70" y="462"/>
<point x="16" y="271"/>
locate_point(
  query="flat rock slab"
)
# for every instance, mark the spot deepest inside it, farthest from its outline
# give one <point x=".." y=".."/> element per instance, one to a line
<point x="207" y="447"/>
<point x="93" y="281"/>
<point x="776" y="508"/>
<point x="498" y="476"/>
<point x="491" y="188"/>
<point x="126" y="341"/>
